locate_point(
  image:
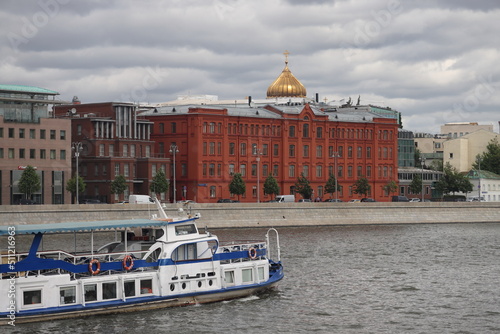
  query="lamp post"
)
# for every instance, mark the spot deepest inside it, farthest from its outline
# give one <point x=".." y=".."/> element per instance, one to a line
<point x="335" y="155"/>
<point x="256" y="151"/>
<point x="479" y="179"/>
<point x="422" y="161"/>
<point x="77" y="147"/>
<point x="174" y="150"/>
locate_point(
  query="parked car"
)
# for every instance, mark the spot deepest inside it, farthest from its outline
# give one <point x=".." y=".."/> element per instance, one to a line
<point x="227" y="200"/>
<point x="400" y="199"/>
<point x="333" y="200"/>
<point x="305" y="200"/>
<point x="368" y="200"/>
<point x="90" y="201"/>
<point x="414" y="199"/>
<point x="26" y="201"/>
<point x="354" y="201"/>
<point x="186" y="201"/>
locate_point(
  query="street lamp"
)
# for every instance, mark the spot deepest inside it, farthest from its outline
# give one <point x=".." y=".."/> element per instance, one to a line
<point x="77" y="147"/>
<point x="174" y="150"/>
<point x="422" y="161"/>
<point x="335" y="155"/>
<point x="479" y="179"/>
<point x="257" y="151"/>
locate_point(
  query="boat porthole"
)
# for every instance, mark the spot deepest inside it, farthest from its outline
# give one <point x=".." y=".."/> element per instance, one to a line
<point x="183" y="286"/>
<point x="172" y="287"/>
<point x="199" y="284"/>
<point x="210" y="282"/>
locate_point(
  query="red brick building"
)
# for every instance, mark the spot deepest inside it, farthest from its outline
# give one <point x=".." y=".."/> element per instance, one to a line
<point x="292" y="138"/>
<point x="115" y="141"/>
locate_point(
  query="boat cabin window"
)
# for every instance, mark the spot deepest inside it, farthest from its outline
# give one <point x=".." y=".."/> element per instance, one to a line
<point x="67" y="294"/>
<point x="247" y="275"/>
<point x="146" y="286"/>
<point x="154" y="255"/>
<point x="109" y="290"/>
<point x="90" y="292"/>
<point x="185" y="229"/>
<point x="229" y="277"/>
<point x="32" y="297"/>
<point x="129" y="287"/>
<point x="184" y="252"/>
<point x="260" y="272"/>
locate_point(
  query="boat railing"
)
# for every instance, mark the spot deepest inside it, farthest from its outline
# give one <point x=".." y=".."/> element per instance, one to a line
<point x="242" y="251"/>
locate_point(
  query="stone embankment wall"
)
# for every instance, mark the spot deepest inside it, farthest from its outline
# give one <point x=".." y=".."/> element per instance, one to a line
<point x="232" y="215"/>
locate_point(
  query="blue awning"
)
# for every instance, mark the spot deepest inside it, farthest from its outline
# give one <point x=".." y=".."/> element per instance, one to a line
<point x="84" y="226"/>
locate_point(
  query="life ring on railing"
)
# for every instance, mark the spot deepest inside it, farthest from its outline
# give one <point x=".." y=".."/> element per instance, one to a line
<point x="97" y="268"/>
<point x="128" y="262"/>
<point x="252" y="253"/>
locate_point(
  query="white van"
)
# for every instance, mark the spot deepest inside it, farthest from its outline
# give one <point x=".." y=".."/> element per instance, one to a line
<point x="140" y="199"/>
<point x="285" y="198"/>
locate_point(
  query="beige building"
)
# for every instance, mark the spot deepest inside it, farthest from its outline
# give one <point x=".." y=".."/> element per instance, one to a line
<point x="461" y="152"/>
<point x="459" y="129"/>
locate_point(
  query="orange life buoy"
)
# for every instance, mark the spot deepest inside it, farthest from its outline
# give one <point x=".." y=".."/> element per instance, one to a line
<point x="91" y="266"/>
<point x="128" y="262"/>
<point x="252" y="253"/>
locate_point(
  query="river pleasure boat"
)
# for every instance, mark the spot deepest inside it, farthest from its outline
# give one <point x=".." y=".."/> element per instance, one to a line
<point x="166" y="262"/>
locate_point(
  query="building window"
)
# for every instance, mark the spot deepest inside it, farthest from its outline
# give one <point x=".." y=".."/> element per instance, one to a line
<point x="319" y="171"/>
<point x="276" y="150"/>
<point x="1" y="132"/>
<point x="265" y="149"/>
<point x="52" y="154"/>
<point x="43" y="154"/>
<point x="42" y="133"/>
<point x="21" y="153"/>
<point x="211" y="170"/>
<point x="101" y="150"/>
<point x="117" y="169"/>
<point x="291" y="151"/>
<point x="126" y="170"/>
<point x="219" y="148"/>
<point x="292" y="131"/>
<point x="219" y="170"/>
<point x="360" y="171"/>
<point x="111" y="150"/>
<point x="32" y="134"/>
<point x="212" y="148"/>
<point x="306" y="151"/>
<point x="368" y="171"/>
<point x="276" y="170"/>
<point x="132" y="151"/>
<point x="254" y="170"/>
<point x="62" y="154"/>
<point x="183" y="169"/>
<point x="368" y="152"/>
<point x="204" y="148"/>
<point x="340" y="171"/>
<point x="305" y="170"/>
<point x="243" y="149"/>
<point x="79" y="129"/>
<point x="125" y="150"/>
<point x="265" y="170"/>
<point x="32" y="153"/>
<point x="21" y="133"/>
<point x="231" y="148"/>
<point x="62" y="135"/>
<point x="11" y="153"/>
<point x="162" y="128"/>
<point x="213" y="193"/>
<point x="319" y="132"/>
<point x="204" y="170"/>
<point x="319" y="151"/>
<point x="341" y="151"/>
<point x="349" y="171"/>
<point x="148" y="151"/>
<point x="11" y="132"/>
<point x="291" y="171"/>
<point x="212" y="127"/>
<point x="349" y="151"/>
<point x="243" y="170"/>
<point x="52" y="134"/>
<point x="305" y="132"/>
<point x="360" y="152"/>
<point x="231" y="169"/>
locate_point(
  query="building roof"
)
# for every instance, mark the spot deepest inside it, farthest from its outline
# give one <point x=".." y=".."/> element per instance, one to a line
<point x="27" y="89"/>
<point x="483" y="174"/>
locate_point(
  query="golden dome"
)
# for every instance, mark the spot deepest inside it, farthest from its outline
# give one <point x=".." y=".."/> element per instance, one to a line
<point x="286" y="85"/>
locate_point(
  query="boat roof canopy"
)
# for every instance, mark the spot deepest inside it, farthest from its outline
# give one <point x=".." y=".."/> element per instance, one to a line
<point x="84" y="226"/>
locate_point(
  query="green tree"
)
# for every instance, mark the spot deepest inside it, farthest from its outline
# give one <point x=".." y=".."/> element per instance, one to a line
<point x="490" y="159"/>
<point x="271" y="186"/>
<point x="29" y="182"/>
<point x="391" y="187"/>
<point x="303" y="187"/>
<point x="330" y="185"/>
<point x="159" y="184"/>
<point x="452" y="181"/>
<point x="237" y="185"/>
<point x="71" y="185"/>
<point x="119" y="185"/>
<point x="416" y="184"/>
<point x="361" y="186"/>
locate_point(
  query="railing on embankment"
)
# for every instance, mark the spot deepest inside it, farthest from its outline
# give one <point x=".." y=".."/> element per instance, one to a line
<point x="266" y="214"/>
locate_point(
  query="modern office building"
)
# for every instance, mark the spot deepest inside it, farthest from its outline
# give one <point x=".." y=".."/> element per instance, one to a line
<point x="30" y="136"/>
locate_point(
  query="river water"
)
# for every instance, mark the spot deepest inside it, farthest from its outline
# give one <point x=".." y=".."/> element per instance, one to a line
<point x="433" y="278"/>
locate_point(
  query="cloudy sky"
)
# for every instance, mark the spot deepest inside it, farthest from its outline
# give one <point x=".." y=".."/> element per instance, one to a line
<point x="435" y="61"/>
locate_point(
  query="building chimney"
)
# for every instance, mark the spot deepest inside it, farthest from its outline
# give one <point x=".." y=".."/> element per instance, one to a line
<point x="249" y="101"/>
<point x="317" y="97"/>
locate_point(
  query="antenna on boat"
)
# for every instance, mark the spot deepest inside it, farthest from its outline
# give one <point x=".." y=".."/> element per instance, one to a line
<point x="161" y="212"/>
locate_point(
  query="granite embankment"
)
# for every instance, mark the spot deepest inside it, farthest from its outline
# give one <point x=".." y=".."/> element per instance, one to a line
<point x="266" y="214"/>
